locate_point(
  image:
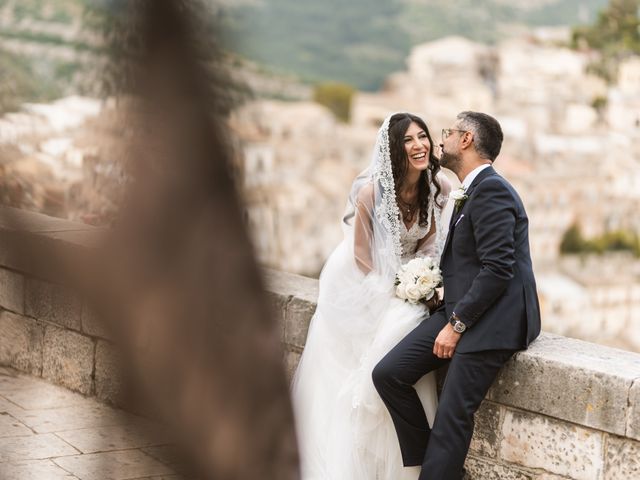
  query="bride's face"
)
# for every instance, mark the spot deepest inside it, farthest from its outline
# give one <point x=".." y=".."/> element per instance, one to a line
<point x="417" y="146"/>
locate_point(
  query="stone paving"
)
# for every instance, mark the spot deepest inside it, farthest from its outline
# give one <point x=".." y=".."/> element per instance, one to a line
<point x="49" y="433"/>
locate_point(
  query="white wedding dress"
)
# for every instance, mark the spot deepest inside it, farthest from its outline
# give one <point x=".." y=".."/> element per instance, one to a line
<point x="344" y="429"/>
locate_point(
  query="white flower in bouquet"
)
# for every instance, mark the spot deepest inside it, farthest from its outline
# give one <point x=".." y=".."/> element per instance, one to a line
<point x="413" y="293"/>
<point x="418" y="279"/>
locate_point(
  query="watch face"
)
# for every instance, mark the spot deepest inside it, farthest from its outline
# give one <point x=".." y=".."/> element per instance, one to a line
<point x="459" y="327"/>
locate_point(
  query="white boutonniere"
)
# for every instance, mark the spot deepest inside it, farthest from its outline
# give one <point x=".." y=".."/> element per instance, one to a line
<point x="459" y="196"/>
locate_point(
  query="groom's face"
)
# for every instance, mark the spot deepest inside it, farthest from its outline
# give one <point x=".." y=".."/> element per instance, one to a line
<point x="450" y="157"/>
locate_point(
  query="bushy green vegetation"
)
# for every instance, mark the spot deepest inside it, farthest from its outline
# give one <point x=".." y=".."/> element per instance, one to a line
<point x="615" y="34"/>
<point x="336" y="97"/>
<point x="19" y="84"/>
<point x="573" y="242"/>
<point x="60" y="11"/>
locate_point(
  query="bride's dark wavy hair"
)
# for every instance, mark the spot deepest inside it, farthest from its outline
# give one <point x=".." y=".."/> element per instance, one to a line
<point x="398" y="125"/>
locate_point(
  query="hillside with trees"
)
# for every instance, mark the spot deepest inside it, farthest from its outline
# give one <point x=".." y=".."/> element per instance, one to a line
<point x="358" y="43"/>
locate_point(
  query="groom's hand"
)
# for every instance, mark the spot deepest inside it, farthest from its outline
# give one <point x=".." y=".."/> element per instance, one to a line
<point x="446" y="342"/>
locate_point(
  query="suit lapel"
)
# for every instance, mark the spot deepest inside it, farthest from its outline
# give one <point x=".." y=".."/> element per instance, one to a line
<point x="455" y="215"/>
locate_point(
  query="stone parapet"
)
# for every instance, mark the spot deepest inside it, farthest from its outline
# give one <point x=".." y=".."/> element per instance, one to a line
<point x="563" y="409"/>
<point x="46" y="329"/>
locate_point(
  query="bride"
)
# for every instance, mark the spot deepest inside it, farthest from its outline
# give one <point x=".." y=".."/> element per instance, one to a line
<point x="394" y="214"/>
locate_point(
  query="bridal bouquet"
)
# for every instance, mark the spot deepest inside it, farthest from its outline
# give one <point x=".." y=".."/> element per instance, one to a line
<point x="418" y="279"/>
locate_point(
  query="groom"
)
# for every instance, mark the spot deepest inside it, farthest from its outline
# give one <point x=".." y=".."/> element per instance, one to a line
<point x="490" y="307"/>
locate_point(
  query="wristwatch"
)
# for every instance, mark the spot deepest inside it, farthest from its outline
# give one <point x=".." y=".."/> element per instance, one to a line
<point x="457" y="324"/>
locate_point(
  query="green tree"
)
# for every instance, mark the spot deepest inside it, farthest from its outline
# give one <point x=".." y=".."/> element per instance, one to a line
<point x="615" y="34"/>
<point x="17" y="83"/>
<point x="336" y="97"/>
<point x="572" y="240"/>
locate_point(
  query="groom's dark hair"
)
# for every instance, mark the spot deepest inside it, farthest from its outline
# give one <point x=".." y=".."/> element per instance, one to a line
<point x="487" y="134"/>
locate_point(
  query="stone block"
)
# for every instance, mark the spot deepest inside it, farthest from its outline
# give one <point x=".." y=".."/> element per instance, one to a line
<point x="483" y="469"/>
<point x="170" y="455"/>
<point x="291" y="360"/>
<point x="113" y="465"/>
<point x="118" y="437"/>
<point x="486" y="434"/>
<point x="53" y="303"/>
<point x="34" y="447"/>
<point x="299" y="296"/>
<point x="165" y="477"/>
<point x="11" y="427"/>
<point x="21" y="342"/>
<point x="109" y="374"/>
<point x="622" y="458"/>
<point x="555" y="446"/>
<point x="278" y="304"/>
<point x="551" y="476"/>
<point x="34" y="470"/>
<point x="291" y="285"/>
<point x="12" y="381"/>
<point x="93" y="325"/>
<point x="11" y="291"/>
<point x="6" y="407"/>
<point x="297" y="318"/>
<point x="571" y="380"/>
<point x="633" y="423"/>
<point x="41" y="396"/>
<point x="91" y="414"/>
<point x="68" y="359"/>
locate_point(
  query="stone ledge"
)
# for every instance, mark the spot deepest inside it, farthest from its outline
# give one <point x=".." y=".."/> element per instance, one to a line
<point x="583" y="383"/>
<point x="564" y="409"/>
<point x="573" y="380"/>
<point x="43" y="246"/>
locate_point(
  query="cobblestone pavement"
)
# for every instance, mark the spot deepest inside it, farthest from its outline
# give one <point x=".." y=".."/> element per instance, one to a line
<point x="50" y="433"/>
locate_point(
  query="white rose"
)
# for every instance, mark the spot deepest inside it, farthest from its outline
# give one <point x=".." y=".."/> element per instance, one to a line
<point x="425" y="285"/>
<point x="458" y="194"/>
<point x="428" y="262"/>
<point x="413" y="293"/>
<point x="401" y="292"/>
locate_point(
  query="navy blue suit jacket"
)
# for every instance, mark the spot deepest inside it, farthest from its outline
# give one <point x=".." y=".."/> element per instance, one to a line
<point x="487" y="271"/>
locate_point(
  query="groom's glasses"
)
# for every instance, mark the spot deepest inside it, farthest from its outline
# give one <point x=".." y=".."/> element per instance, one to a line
<point x="447" y="131"/>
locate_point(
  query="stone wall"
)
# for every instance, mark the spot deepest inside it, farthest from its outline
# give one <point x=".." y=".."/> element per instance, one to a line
<point x="46" y="329"/>
<point x="564" y="409"/>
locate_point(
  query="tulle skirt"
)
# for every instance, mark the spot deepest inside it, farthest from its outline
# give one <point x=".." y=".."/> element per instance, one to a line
<point x="344" y="429"/>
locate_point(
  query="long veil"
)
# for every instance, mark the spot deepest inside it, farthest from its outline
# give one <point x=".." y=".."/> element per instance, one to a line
<point x="344" y="430"/>
<point x="372" y="217"/>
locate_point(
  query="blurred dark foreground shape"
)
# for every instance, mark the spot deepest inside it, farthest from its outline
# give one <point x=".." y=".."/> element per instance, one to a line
<point x="175" y="277"/>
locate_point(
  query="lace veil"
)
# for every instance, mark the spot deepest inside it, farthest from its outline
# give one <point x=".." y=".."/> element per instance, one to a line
<point x="373" y="218"/>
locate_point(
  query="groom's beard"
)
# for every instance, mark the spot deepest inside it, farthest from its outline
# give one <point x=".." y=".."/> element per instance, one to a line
<point x="451" y="161"/>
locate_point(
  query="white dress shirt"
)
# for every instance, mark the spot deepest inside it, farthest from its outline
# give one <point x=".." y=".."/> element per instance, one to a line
<point x="468" y="180"/>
